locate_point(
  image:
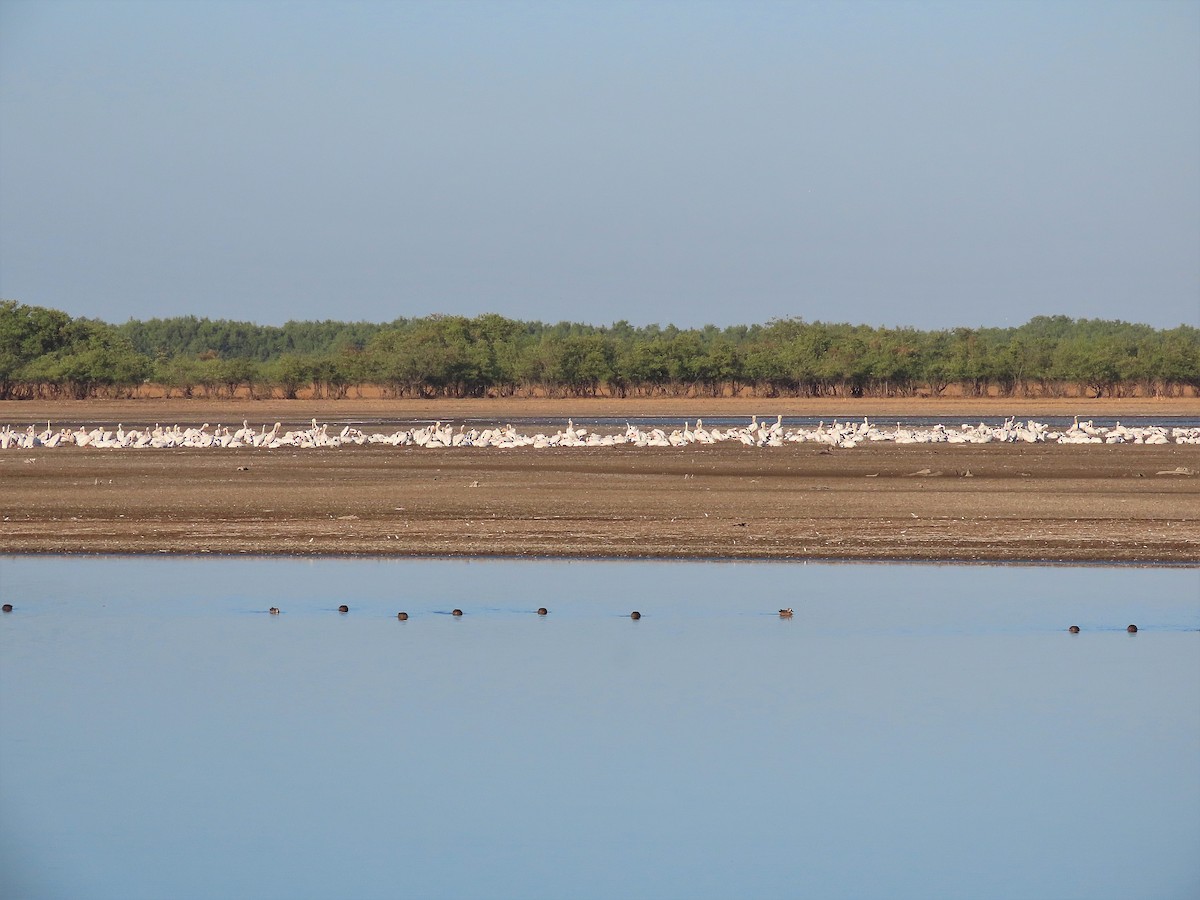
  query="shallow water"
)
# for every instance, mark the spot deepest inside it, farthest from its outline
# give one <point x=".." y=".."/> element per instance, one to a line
<point x="914" y="731"/>
<point x="617" y="424"/>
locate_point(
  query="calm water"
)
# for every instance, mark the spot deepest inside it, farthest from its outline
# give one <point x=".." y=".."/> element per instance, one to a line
<point x="914" y="731"/>
<point x="616" y="424"/>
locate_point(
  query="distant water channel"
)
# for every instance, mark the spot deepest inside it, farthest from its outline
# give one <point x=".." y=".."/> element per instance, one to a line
<point x="914" y="731"/>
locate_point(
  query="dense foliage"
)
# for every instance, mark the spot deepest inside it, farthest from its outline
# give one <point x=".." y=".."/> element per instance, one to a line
<point x="46" y="353"/>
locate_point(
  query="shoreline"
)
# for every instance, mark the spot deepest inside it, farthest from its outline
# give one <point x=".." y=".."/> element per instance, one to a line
<point x="349" y="556"/>
<point x="991" y="503"/>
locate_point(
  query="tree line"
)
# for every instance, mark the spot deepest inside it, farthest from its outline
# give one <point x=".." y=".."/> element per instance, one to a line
<point x="45" y="353"/>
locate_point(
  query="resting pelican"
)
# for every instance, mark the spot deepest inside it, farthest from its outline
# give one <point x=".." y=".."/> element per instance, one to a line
<point x="834" y="435"/>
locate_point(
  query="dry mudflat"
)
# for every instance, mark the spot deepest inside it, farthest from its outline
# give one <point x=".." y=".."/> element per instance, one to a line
<point x="1002" y="502"/>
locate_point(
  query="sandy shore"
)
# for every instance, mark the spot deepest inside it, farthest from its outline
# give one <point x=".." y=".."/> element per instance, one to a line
<point x="1089" y="503"/>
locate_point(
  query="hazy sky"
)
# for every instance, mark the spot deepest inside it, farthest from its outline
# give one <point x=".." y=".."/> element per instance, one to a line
<point x="927" y="164"/>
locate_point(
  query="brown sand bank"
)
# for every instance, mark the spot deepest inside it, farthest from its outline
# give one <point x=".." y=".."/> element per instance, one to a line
<point x="1093" y="503"/>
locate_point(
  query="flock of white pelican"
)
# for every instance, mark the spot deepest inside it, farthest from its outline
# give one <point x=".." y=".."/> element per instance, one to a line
<point x="844" y="435"/>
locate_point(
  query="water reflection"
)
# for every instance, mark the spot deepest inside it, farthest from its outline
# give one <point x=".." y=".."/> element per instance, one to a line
<point x="913" y="731"/>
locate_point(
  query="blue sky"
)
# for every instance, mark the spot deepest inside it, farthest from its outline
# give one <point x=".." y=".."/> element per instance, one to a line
<point x="926" y="164"/>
